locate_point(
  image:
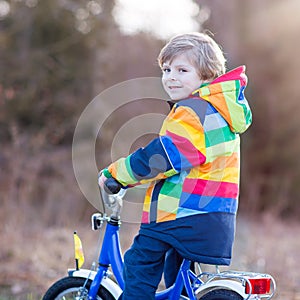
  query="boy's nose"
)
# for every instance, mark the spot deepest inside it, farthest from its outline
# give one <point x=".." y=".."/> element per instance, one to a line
<point x="171" y="76"/>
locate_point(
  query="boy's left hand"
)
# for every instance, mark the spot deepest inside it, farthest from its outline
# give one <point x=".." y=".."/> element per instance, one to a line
<point x="101" y="180"/>
<point x="108" y="183"/>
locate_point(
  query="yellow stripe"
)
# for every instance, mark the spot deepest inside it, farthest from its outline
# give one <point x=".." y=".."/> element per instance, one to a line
<point x="225" y="175"/>
<point x="167" y="203"/>
<point x="186" y="117"/>
<point x="193" y="134"/>
<point x="147" y="200"/>
<point x="163" y="216"/>
<point x="119" y="171"/>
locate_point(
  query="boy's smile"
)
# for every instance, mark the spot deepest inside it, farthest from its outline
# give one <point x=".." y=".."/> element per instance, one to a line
<point x="180" y="77"/>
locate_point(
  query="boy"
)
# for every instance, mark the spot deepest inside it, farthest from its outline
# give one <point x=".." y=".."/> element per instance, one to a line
<point x="193" y="165"/>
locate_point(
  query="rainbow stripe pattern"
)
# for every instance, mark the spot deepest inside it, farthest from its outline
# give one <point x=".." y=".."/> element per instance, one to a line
<point x="193" y="166"/>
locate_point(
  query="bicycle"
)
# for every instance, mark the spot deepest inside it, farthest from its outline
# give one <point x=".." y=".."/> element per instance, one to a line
<point x="106" y="284"/>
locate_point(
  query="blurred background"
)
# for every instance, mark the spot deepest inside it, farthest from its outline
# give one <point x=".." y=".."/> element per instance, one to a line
<point x="57" y="55"/>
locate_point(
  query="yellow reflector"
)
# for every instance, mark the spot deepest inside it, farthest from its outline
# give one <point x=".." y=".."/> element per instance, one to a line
<point x="79" y="256"/>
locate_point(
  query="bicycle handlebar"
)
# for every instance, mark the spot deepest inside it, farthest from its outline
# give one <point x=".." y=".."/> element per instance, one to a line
<point x="112" y="186"/>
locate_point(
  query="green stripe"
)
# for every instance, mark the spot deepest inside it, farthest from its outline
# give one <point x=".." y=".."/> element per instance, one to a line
<point x="128" y="168"/>
<point x="217" y="136"/>
<point x="170" y="173"/>
<point x="228" y="86"/>
<point x="237" y="91"/>
<point x="222" y="149"/>
<point x="171" y="189"/>
<point x="106" y="173"/>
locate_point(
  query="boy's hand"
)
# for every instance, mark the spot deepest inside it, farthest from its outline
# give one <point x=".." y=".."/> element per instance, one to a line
<point x="101" y="180"/>
<point x="108" y="183"/>
<point x="103" y="175"/>
<point x="112" y="186"/>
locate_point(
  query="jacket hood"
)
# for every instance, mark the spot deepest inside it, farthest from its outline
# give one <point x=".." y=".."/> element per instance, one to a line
<point x="226" y="94"/>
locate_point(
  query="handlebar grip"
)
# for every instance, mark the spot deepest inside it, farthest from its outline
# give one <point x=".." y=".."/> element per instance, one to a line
<point x="112" y="186"/>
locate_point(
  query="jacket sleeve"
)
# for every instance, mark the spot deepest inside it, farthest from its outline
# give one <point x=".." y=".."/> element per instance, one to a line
<point x="180" y="146"/>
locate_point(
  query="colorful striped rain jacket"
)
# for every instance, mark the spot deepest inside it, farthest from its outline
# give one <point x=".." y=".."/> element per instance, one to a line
<point x="193" y="165"/>
<point x="193" y="169"/>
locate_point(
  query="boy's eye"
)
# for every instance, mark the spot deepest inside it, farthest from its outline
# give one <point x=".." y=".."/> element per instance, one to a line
<point x="166" y="70"/>
<point x="182" y="70"/>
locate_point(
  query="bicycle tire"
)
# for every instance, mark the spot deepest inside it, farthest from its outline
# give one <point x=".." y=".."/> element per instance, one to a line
<point x="68" y="287"/>
<point x="221" y="294"/>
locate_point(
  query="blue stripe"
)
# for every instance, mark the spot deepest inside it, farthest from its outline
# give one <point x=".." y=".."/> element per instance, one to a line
<point x="148" y="162"/>
<point x="178" y="160"/>
<point x="214" y="121"/>
<point x="154" y="201"/>
<point x="210" y="110"/>
<point x="186" y="212"/>
<point x="241" y="94"/>
<point x="178" y="178"/>
<point x="198" y="105"/>
<point x="208" y="204"/>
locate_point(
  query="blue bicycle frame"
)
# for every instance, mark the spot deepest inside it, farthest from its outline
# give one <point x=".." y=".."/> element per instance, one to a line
<point x="110" y="255"/>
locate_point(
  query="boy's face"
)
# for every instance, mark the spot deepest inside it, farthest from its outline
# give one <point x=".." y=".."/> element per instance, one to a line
<point x="180" y="77"/>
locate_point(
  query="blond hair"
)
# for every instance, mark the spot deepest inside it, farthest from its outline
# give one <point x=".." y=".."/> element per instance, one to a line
<point x="204" y="53"/>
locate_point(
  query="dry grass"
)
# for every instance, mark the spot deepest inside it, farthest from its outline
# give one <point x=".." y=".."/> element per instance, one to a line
<point x="272" y="246"/>
<point x="34" y="258"/>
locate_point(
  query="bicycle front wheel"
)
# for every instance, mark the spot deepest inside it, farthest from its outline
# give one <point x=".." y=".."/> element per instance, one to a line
<point x="221" y="294"/>
<point x="74" y="288"/>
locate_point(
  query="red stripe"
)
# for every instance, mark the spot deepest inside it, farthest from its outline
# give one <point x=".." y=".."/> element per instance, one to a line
<point x="211" y="188"/>
<point x="187" y="149"/>
<point x="237" y="73"/>
<point x="145" y="217"/>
